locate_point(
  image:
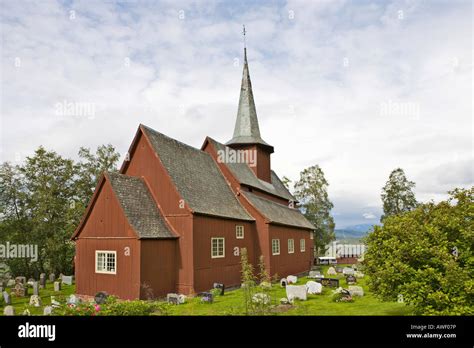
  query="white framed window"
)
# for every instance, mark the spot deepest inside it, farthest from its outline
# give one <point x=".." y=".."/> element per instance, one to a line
<point x="302" y="245"/>
<point x="275" y="247"/>
<point x="291" y="246"/>
<point x="217" y="247"/>
<point x="239" y="232"/>
<point x="106" y="261"/>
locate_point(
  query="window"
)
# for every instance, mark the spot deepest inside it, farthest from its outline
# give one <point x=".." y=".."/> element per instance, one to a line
<point x="105" y="261"/>
<point x="275" y="247"/>
<point x="302" y="245"/>
<point x="217" y="248"/>
<point x="239" y="232"/>
<point x="291" y="246"/>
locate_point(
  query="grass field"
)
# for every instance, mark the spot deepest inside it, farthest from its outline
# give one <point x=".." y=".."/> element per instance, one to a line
<point x="232" y="303"/>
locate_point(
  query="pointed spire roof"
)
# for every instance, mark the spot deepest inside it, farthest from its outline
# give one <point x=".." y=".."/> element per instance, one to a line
<point x="246" y="129"/>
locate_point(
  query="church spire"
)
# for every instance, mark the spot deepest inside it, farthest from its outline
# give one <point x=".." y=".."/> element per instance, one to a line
<point x="246" y="129"/>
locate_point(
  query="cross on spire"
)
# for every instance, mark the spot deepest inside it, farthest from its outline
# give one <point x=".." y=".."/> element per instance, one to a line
<point x="243" y="33"/>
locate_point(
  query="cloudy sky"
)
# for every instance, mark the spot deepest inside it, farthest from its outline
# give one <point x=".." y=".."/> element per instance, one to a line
<point x="358" y="87"/>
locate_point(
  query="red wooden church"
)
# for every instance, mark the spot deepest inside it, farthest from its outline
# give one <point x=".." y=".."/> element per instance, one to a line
<point x="174" y="219"/>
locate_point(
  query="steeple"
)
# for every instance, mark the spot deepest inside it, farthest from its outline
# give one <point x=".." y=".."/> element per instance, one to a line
<point x="246" y="129"/>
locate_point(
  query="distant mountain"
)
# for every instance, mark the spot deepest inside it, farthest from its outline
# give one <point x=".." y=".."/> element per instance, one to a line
<point x="353" y="232"/>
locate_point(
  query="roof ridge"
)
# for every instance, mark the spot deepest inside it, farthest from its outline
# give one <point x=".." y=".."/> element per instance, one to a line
<point x="171" y="139"/>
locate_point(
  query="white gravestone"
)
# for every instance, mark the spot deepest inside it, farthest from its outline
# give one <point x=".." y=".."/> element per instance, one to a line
<point x="9" y="310"/>
<point x="296" y="292"/>
<point x="292" y="279"/>
<point x="348" y="271"/>
<point x="356" y="290"/>
<point x="313" y="287"/>
<point x="331" y="271"/>
<point x="35" y="301"/>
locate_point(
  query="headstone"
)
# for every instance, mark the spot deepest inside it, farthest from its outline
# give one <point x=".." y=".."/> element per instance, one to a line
<point x="48" y="310"/>
<point x="42" y="281"/>
<point x="66" y="280"/>
<point x="35" y="288"/>
<point x="73" y="299"/>
<point x="261" y="298"/>
<point x="330" y="282"/>
<point x="314" y="274"/>
<point x="35" y="301"/>
<point x="11" y="283"/>
<point x="21" y="290"/>
<point x="292" y="279"/>
<point x="52" y="277"/>
<point x="21" y="280"/>
<point x="296" y="292"/>
<point x="356" y="291"/>
<point x="172" y="298"/>
<point x="101" y="297"/>
<point x="331" y="271"/>
<point x="314" y="288"/>
<point x="182" y="299"/>
<point x="350" y="280"/>
<point x="207" y="297"/>
<point x="348" y="271"/>
<point x="30" y="282"/>
<point x="219" y="286"/>
<point x="284" y="300"/>
<point x="283" y="282"/>
<point x="9" y="311"/>
<point x="338" y="269"/>
<point x="57" y="286"/>
<point x="54" y="303"/>
<point x="6" y="298"/>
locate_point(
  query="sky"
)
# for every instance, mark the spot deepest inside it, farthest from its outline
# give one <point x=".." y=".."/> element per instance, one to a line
<point x="357" y="87"/>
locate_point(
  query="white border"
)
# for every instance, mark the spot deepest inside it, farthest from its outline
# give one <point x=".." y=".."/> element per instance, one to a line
<point x="109" y="252"/>
<point x="223" y="248"/>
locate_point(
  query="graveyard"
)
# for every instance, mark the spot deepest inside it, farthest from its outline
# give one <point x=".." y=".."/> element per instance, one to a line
<point x="232" y="303"/>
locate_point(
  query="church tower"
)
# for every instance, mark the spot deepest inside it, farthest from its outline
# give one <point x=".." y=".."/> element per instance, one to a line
<point x="247" y="132"/>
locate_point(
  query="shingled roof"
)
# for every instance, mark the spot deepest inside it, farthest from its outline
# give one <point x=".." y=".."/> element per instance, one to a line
<point x="196" y="177"/>
<point x="246" y="176"/>
<point x="139" y="207"/>
<point x="278" y="213"/>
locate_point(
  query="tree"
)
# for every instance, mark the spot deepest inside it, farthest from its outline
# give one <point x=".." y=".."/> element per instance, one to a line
<point x="311" y="192"/>
<point x="425" y="256"/>
<point x="286" y="181"/>
<point x="397" y="194"/>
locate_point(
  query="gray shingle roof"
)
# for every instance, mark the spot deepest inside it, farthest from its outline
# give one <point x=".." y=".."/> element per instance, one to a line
<point x="197" y="178"/>
<point x="246" y="176"/>
<point x="278" y="213"/>
<point x="139" y="207"/>
<point x="246" y="129"/>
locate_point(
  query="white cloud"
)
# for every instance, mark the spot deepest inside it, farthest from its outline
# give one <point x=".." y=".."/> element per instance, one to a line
<point x="369" y="216"/>
<point x="138" y="62"/>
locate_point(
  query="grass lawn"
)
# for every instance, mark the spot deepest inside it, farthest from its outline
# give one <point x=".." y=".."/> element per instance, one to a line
<point x="22" y="303"/>
<point x="232" y="302"/>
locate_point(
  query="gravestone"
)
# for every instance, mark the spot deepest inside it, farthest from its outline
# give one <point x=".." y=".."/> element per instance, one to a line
<point x="283" y="282"/>
<point x="73" y="299"/>
<point x="11" y="283"/>
<point x="292" y="279"/>
<point x="101" y="297"/>
<point x="21" y="280"/>
<point x="42" y="281"/>
<point x="356" y="291"/>
<point x="331" y="271"/>
<point x="30" y="282"/>
<point x="284" y="300"/>
<point x="35" y="301"/>
<point x="182" y="299"/>
<point x="261" y="298"/>
<point x="172" y="298"/>
<point x="35" y="288"/>
<point x="52" y="277"/>
<point x="350" y="280"/>
<point x="219" y="286"/>
<point x="314" y="274"/>
<point x="207" y="297"/>
<point x="330" y="282"/>
<point x="348" y="271"/>
<point x="57" y="286"/>
<point x="339" y="269"/>
<point x="6" y="298"/>
<point x="48" y="310"/>
<point x="296" y="292"/>
<point x="314" y="287"/>
<point x="66" y="280"/>
<point x="21" y="290"/>
<point x="54" y="303"/>
<point x="9" y="311"/>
